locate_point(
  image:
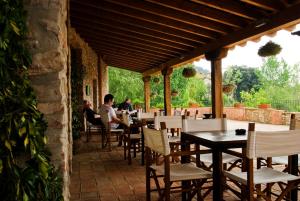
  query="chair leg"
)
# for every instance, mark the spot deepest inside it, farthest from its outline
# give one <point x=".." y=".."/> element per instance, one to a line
<point x="134" y="149"/>
<point x="128" y="149"/>
<point x="125" y="151"/>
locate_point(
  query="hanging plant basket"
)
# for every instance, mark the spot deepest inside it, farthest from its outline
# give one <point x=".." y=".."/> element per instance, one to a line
<point x="174" y="93"/>
<point x="228" y="88"/>
<point x="269" y="49"/>
<point x="189" y="72"/>
<point x="156" y="80"/>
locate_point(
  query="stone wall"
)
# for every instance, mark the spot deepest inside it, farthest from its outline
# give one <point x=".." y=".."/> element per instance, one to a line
<point x="49" y="73"/>
<point x="90" y="66"/>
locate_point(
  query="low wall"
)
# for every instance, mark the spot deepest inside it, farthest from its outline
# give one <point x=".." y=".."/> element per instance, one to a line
<point x="268" y="116"/>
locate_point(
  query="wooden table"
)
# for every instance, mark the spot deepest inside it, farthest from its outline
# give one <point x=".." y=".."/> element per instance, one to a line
<point x="220" y="141"/>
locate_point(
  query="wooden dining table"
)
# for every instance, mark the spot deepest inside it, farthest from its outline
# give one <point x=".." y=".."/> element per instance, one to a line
<point x="219" y="142"/>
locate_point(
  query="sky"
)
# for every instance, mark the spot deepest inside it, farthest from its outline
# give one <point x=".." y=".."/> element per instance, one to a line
<point x="247" y="55"/>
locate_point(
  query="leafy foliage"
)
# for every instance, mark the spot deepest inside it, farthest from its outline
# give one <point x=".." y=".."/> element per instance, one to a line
<point x="25" y="169"/>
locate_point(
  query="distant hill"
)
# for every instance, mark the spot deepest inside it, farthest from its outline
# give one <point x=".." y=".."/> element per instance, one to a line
<point x="201" y="70"/>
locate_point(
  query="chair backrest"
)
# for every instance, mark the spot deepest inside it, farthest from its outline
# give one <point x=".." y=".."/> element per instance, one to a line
<point x="85" y="122"/>
<point x="190" y="125"/>
<point x="171" y="121"/>
<point x="273" y="143"/>
<point x="105" y="119"/>
<point x="145" y="115"/>
<point x="157" y="140"/>
<point x="294" y="123"/>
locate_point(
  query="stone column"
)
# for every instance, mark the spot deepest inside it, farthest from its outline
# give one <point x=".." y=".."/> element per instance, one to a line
<point x="147" y="90"/>
<point x="102" y="79"/>
<point x="167" y="90"/>
<point x="216" y="80"/>
<point x="50" y="77"/>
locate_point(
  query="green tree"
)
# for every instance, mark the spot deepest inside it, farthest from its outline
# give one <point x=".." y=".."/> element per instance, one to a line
<point x="124" y="83"/>
<point x="245" y="78"/>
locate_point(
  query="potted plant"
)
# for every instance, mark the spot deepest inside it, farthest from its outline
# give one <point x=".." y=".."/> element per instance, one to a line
<point x="264" y="106"/>
<point x="156" y="80"/>
<point x="228" y="88"/>
<point x="189" y="72"/>
<point x="269" y="49"/>
<point x="174" y="93"/>
<point x="238" y="105"/>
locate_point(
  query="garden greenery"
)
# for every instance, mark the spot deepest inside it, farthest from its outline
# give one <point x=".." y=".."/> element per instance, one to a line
<point x="25" y="170"/>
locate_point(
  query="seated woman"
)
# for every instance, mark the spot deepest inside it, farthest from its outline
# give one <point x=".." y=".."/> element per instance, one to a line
<point x="90" y="114"/>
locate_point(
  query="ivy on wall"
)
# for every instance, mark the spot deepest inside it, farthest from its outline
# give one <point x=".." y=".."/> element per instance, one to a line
<point x="25" y="170"/>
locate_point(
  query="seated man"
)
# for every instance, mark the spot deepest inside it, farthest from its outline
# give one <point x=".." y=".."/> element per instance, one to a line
<point x="126" y="105"/>
<point x="90" y="114"/>
<point x="107" y="108"/>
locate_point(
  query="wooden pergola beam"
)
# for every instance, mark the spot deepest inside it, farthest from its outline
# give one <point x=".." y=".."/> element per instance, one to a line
<point x="202" y="11"/>
<point x="173" y="15"/>
<point x="122" y="58"/>
<point x="286" y="18"/>
<point x="270" y="5"/>
<point x="127" y="66"/>
<point x="233" y="7"/>
<point x="147" y="17"/>
<point x="131" y="37"/>
<point x="134" y="29"/>
<point x="94" y="44"/>
<point x="130" y="40"/>
<point x="129" y="22"/>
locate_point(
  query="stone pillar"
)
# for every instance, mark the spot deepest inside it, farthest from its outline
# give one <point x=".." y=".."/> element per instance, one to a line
<point x="147" y="92"/>
<point x="102" y="79"/>
<point x="50" y="77"/>
<point x="216" y="80"/>
<point x="167" y="90"/>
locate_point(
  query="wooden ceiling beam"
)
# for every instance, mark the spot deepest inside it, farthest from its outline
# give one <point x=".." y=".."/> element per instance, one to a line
<point x="233" y="7"/>
<point x="128" y="60"/>
<point x="100" y="35"/>
<point x="288" y="17"/>
<point x="144" y="57"/>
<point x="202" y="11"/>
<point x="133" y="36"/>
<point x="129" y="22"/>
<point x="270" y="5"/>
<point x="169" y="13"/>
<point x="131" y="67"/>
<point x="152" y="18"/>
<point x="119" y="26"/>
<point x="93" y="44"/>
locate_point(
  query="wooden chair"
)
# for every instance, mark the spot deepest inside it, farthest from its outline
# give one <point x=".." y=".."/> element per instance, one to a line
<point x="90" y="128"/>
<point x="157" y="141"/>
<point x="265" y="145"/>
<point x="109" y="132"/>
<point x="218" y="124"/>
<point x="132" y="141"/>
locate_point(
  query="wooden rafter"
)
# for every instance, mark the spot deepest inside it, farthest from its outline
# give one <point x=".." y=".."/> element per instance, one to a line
<point x="270" y="5"/>
<point x="152" y="18"/>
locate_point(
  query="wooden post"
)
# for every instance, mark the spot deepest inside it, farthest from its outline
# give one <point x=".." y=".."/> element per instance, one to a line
<point x="147" y="93"/>
<point x="216" y="80"/>
<point x="167" y="90"/>
<point x="102" y="80"/>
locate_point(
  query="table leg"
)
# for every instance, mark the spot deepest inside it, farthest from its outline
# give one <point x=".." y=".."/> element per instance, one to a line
<point x="293" y="168"/>
<point x="217" y="176"/>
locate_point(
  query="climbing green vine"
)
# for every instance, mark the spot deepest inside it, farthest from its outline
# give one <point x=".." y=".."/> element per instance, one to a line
<point x="25" y="170"/>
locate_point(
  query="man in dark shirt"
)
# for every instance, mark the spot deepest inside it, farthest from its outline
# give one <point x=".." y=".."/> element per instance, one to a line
<point x="126" y="105"/>
<point x="90" y="114"/>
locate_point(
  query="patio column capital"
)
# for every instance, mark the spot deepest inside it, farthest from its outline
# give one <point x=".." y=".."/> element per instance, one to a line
<point x="146" y="79"/>
<point x="167" y="71"/>
<point x="216" y="54"/>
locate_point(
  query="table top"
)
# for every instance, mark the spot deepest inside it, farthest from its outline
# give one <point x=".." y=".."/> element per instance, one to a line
<point x="216" y="138"/>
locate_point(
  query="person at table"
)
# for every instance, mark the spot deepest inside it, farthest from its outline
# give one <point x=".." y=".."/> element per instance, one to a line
<point x="91" y="116"/>
<point x="107" y="108"/>
<point x="126" y="105"/>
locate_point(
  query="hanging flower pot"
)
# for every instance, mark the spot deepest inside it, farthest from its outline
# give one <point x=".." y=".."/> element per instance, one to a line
<point x="156" y="80"/>
<point x="228" y="88"/>
<point x="174" y="93"/>
<point x="269" y="49"/>
<point x="189" y="72"/>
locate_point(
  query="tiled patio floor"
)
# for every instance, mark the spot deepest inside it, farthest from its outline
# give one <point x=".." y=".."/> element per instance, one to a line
<point x="105" y="176"/>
